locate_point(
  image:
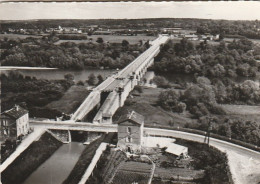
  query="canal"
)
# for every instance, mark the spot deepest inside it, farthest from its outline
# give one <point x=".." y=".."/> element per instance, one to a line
<point x="56" y="169"/>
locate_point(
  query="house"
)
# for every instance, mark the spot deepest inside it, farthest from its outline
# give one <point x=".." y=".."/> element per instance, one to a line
<point x="130" y="132"/>
<point x="177" y="150"/>
<point x="14" y="122"/>
<point x="191" y="37"/>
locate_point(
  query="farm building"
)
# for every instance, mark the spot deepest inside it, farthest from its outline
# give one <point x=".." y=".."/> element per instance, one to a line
<point x="177" y="150"/>
<point x="130" y="132"/>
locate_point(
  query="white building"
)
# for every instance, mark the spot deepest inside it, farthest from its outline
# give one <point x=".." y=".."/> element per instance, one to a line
<point x="177" y="150"/>
<point x="14" y="122"/>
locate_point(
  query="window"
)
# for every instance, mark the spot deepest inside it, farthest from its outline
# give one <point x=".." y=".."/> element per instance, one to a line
<point x="128" y="139"/>
<point x="128" y="129"/>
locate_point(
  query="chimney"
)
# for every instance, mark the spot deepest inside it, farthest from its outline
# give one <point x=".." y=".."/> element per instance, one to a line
<point x="16" y="107"/>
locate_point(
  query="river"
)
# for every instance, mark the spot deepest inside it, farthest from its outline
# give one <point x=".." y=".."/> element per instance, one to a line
<point x="57" y="74"/>
<point x="57" y="168"/>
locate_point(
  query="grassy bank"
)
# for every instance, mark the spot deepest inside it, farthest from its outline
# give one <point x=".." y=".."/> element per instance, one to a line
<point x="37" y="153"/>
<point x="86" y="157"/>
<point x="145" y="103"/>
<point x="74" y="96"/>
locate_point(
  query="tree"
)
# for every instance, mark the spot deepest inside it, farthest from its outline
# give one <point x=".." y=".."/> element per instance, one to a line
<point x="161" y="82"/>
<point x="125" y="43"/>
<point x="92" y="79"/>
<point x="100" y="79"/>
<point x="100" y="40"/>
<point x="80" y="83"/>
<point x="169" y="99"/>
<point x="69" y="77"/>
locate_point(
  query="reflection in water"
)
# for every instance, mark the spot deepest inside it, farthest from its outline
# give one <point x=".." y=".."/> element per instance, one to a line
<point x="56" y="169"/>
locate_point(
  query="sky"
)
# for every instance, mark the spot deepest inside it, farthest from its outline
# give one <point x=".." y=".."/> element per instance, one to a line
<point x="239" y="10"/>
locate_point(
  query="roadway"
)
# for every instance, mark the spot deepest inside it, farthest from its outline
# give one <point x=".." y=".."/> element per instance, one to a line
<point x="222" y="145"/>
<point x="71" y="125"/>
<point x="86" y="126"/>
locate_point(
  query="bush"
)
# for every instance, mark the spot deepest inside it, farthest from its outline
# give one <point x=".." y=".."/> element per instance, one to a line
<point x="139" y="89"/>
<point x="161" y="82"/>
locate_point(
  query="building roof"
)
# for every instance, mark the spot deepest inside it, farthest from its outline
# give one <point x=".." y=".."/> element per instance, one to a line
<point x="133" y="116"/>
<point x="16" y="112"/>
<point x="176" y="149"/>
<point x="161" y="142"/>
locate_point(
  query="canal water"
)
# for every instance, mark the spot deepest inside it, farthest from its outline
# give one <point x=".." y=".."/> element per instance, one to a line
<point x="57" y="168"/>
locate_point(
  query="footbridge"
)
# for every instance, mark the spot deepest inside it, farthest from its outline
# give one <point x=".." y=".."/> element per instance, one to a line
<point x="112" y="93"/>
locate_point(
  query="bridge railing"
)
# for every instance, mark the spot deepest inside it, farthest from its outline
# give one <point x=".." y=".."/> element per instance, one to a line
<point x="212" y="135"/>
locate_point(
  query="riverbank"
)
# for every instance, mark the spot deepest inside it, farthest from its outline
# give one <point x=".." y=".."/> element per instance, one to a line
<point x="30" y="159"/>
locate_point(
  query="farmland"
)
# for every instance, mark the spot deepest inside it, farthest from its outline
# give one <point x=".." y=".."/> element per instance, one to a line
<point x="130" y="172"/>
<point x="112" y="39"/>
<point x="17" y="36"/>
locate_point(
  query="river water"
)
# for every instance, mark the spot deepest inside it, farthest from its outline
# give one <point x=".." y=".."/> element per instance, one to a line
<point x="59" y="74"/>
<point x="57" y="168"/>
<point x="82" y="75"/>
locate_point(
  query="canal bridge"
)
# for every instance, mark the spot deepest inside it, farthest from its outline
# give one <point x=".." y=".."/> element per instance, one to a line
<point x="112" y="93"/>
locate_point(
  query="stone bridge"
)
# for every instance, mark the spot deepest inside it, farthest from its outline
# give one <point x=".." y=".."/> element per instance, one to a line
<point x="112" y="93"/>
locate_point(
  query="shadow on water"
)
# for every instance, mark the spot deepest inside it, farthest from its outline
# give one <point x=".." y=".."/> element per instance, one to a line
<point x="56" y="169"/>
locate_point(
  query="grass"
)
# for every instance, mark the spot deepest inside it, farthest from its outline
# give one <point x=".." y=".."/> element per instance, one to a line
<point x="145" y="104"/>
<point x="130" y="177"/>
<point x="17" y="36"/>
<point x="112" y="39"/>
<point x="241" y="109"/>
<point x="71" y="100"/>
<point x="37" y="153"/>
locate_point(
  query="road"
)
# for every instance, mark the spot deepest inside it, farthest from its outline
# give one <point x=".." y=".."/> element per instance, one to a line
<point x="71" y="125"/>
<point x="222" y="145"/>
<point x="244" y="163"/>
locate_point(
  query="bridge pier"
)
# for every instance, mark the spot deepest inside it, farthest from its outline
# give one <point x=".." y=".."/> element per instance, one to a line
<point x="69" y="136"/>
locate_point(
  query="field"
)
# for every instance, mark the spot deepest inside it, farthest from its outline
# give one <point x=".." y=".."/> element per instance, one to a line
<point x="106" y="167"/>
<point x="241" y="109"/>
<point x="145" y="104"/>
<point x="71" y="100"/>
<point x="130" y="172"/>
<point x="17" y="36"/>
<point x="238" y="112"/>
<point x="112" y="39"/>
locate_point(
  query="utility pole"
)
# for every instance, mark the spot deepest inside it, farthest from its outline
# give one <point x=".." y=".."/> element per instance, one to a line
<point x="207" y="136"/>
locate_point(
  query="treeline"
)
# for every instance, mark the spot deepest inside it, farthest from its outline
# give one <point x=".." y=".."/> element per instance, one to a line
<point x="201" y="100"/>
<point x="72" y="37"/>
<point x="31" y="93"/>
<point x="43" y="52"/>
<point x="224" y="60"/>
